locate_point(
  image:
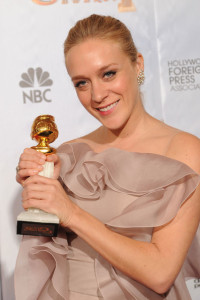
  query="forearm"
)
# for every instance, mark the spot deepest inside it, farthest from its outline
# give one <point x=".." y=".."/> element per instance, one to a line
<point x="139" y="260"/>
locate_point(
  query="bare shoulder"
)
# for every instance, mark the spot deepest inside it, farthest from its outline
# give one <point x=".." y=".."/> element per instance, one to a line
<point x="185" y="147"/>
<point x="70" y="142"/>
<point x="89" y="138"/>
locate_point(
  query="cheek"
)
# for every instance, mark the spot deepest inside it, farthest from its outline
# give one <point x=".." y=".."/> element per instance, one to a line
<point x="122" y="86"/>
<point x="84" y="98"/>
<point x="118" y="86"/>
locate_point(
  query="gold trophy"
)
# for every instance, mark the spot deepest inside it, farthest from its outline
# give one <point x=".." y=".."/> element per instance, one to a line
<point x="35" y="221"/>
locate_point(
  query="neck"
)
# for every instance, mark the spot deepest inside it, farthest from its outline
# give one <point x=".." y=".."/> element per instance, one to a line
<point x="135" y="127"/>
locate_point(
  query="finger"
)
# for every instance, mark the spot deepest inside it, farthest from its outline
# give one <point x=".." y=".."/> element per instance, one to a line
<point x="30" y="159"/>
<point x="33" y="156"/>
<point x="38" y="186"/>
<point x="36" y="193"/>
<point x="53" y="157"/>
<point x="56" y="160"/>
<point x="37" y="179"/>
<point x="23" y="173"/>
<point x="31" y="151"/>
<point x="30" y="165"/>
<point x="38" y="199"/>
<point x="36" y="203"/>
<point x="19" y="179"/>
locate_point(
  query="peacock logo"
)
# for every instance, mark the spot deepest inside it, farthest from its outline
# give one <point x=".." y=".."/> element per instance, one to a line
<point x="35" y="82"/>
<point x="35" y="77"/>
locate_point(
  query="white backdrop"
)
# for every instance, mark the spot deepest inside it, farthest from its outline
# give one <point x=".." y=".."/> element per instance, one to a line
<point x="32" y="33"/>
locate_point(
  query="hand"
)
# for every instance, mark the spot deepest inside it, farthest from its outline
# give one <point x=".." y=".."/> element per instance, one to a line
<point x="48" y="194"/>
<point x="31" y="163"/>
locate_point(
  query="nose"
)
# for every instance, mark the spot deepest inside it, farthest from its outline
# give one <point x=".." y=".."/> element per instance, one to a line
<point x="98" y="92"/>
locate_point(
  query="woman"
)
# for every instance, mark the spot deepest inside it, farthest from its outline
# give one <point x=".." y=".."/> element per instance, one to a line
<point x="128" y="193"/>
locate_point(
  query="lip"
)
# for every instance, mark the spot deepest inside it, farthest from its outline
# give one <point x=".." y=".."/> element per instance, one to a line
<point x="109" y="111"/>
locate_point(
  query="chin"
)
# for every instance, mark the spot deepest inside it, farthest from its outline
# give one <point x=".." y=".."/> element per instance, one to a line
<point x="113" y="126"/>
<point x="112" y="123"/>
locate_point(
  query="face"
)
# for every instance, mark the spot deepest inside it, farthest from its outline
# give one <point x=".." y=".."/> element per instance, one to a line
<point x="105" y="80"/>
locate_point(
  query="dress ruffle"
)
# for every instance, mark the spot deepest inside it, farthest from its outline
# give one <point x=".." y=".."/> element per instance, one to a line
<point x="41" y="269"/>
<point x="158" y="185"/>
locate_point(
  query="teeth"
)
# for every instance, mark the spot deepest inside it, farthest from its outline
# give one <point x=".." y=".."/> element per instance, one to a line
<point x="108" y="107"/>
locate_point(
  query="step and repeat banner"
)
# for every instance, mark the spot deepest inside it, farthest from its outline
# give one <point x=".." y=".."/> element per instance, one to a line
<point x="34" y="81"/>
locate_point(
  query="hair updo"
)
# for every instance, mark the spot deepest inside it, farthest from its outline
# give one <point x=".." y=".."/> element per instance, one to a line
<point x="102" y="27"/>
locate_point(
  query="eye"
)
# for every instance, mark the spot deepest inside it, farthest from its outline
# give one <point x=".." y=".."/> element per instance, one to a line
<point x="109" y="74"/>
<point x="80" y="84"/>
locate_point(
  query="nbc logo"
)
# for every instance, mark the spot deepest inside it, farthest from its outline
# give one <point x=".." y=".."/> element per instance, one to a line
<point x="35" y="82"/>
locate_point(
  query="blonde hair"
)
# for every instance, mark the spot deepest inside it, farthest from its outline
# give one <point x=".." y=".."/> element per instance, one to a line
<point x="102" y="27"/>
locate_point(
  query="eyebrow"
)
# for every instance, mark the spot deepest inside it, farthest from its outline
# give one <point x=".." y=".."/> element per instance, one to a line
<point x="99" y="71"/>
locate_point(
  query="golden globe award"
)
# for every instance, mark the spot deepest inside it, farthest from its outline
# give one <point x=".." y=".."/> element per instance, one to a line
<point x="35" y="221"/>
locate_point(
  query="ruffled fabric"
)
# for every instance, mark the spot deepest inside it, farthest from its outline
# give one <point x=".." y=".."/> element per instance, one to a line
<point x="41" y="267"/>
<point x="147" y="189"/>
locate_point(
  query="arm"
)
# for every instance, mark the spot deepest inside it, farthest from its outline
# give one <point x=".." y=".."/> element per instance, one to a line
<point x="154" y="264"/>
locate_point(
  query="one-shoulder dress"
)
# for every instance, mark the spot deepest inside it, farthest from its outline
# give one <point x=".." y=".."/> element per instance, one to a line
<point x="131" y="193"/>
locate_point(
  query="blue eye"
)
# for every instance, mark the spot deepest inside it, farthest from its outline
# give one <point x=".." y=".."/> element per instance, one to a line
<point x="80" y="83"/>
<point x="109" y="74"/>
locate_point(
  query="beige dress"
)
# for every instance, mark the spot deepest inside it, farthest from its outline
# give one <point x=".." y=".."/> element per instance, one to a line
<point x="131" y="193"/>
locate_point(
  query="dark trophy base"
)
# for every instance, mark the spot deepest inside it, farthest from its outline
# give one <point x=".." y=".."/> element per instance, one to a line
<point x="37" y="229"/>
<point x="37" y="222"/>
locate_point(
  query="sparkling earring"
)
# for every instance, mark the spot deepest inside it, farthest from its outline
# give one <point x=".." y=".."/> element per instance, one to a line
<point x="140" y="78"/>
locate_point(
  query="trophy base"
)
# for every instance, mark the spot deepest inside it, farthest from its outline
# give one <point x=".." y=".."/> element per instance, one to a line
<point x="37" y="229"/>
<point x="38" y="223"/>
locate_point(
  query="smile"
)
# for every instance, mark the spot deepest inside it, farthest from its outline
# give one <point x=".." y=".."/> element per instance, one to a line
<point x="108" y="107"/>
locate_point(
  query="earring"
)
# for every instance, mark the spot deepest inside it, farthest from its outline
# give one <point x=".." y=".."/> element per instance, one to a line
<point x="140" y="78"/>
